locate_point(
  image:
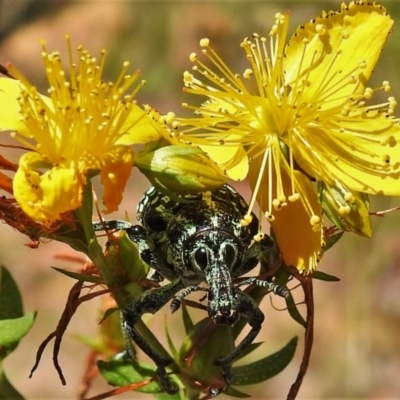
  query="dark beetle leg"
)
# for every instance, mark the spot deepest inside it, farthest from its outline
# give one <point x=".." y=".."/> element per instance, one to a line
<point x="177" y="300"/>
<point x="150" y="302"/>
<point x="273" y="287"/>
<point x="249" y="309"/>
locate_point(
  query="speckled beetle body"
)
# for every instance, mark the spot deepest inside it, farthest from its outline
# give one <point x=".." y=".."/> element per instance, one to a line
<point x="195" y="240"/>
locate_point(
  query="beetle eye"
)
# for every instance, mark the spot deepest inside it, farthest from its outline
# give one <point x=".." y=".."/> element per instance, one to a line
<point x="230" y="255"/>
<point x="200" y="256"/>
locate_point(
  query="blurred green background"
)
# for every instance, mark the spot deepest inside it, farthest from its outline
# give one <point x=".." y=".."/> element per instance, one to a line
<point x="357" y="325"/>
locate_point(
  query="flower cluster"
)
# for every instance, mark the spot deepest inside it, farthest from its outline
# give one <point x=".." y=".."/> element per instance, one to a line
<point x="84" y="127"/>
<point x="298" y="123"/>
<point x="301" y="113"/>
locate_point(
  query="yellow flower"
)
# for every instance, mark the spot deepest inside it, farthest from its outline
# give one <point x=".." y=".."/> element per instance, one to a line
<point x="300" y="113"/>
<point x="86" y="126"/>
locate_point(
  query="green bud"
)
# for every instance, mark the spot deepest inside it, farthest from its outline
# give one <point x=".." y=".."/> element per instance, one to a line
<point x="125" y="265"/>
<point x="205" y="343"/>
<point x="180" y="169"/>
<point x="347" y="209"/>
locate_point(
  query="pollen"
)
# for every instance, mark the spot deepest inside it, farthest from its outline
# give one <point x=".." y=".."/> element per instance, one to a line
<point x="246" y="220"/>
<point x="248" y="73"/>
<point x="345" y="34"/>
<point x="314" y="220"/>
<point x="344" y="210"/>
<point x="349" y="197"/>
<point x="320" y="29"/>
<point x="204" y="42"/>
<point x="259" y="236"/>
<point x="294" y="197"/>
<point x="269" y="216"/>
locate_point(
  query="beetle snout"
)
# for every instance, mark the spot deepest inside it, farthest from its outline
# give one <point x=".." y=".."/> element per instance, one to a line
<point x="222" y="306"/>
<point x="224" y="317"/>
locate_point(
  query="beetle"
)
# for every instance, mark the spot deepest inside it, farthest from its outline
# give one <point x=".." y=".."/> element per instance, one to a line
<point x="188" y="240"/>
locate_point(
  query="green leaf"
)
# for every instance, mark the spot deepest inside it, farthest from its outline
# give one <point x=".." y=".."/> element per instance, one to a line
<point x="12" y="331"/>
<point x="95" y="343"/>
<point x="265" y="368"/>
<point x="10" y="298"/>
<point x="250" y="349"/>
<point x="187" y="320"/>
<point x="126" y="372"/>
<point x="7" y="390"/>
<point x="108" y="312"/>
<point x="332" y="240"/>
<point x="81" y="277"/>
<point x="323" y="276"/>
<point x="293" y="311"/>
<point x="231" y="391"/>
<point x="85" y="212"/>
<point x="205" y="343"/>
<point x="171" y="345"/>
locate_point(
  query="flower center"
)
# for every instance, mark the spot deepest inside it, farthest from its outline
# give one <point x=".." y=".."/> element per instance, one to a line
<point x="83" y="115"/>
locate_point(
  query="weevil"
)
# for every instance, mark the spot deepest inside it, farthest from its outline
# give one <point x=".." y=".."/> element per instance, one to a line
<point x="191" y="240"/>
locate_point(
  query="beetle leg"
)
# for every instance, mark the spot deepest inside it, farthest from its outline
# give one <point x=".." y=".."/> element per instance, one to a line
<point x="250" y="310"/>
<point x="111" y="225"/>
<point x="150" y="302"/>
<point x="144" y="242"/>
<point x="150" y="254"/>
<point x="273" y="287"/>
<point x="177" y="300"/>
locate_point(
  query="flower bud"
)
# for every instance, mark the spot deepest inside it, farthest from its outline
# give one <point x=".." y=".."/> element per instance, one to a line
<point x="180" y="169"/>
<point x="204" y="344"/>
<point x="348" y="210"/>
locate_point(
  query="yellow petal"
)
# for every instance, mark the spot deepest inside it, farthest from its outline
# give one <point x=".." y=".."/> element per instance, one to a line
<point x="44" y="197"/>
<point x="232" y="159"/>
<point x="365" y="159"/>
<point x="10" y="90"/>
<point x="139" y="128"/>
<point x="116" y="169"/>
<point x="300" y="245"/>
<point x="327" y="51"/>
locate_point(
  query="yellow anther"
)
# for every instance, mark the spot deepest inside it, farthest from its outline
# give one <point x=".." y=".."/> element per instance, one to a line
<point x="247" y="73"/>
<point x="276" y="204"/>
<point x="362" y="64"/>
<point x="316" y="228"/>
<point x="345" y="34"/>
<point x="246" y="220"/>
<point x="349" y="197"/>
<point x="259" y="236"/>
<point x="315" y="220"/>
<point x="274" y="29"/>
<point x="368" y="92"/>
<point x="170" y="117"/>
<point x="294" y="197"/>
<point x="193" y="57"/>
<point x="269" y="216"/>
<point x="320" y="29"/>
<point x="204" y="42"/>
<point x="352" y="79"/>
<point x="344" y="210"/>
